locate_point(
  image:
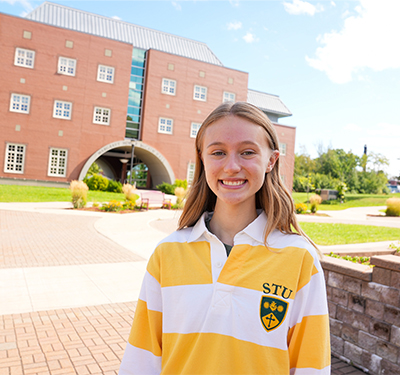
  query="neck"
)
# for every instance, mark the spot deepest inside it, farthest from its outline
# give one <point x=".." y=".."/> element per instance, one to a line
<point x="227" y="221"/>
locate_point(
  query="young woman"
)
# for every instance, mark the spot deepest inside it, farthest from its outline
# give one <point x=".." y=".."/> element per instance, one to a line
<point x="238" y="289"/>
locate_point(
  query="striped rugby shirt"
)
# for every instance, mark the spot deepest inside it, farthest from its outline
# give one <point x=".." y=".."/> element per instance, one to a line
<point x="257" y="311"/>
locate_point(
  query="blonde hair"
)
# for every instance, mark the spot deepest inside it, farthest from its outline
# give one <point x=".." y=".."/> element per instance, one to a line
<point x="273" y="197"/>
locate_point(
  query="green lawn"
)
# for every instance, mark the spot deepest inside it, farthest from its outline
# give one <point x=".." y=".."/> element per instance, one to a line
<point x="340" y="234"/>
<point x="16" y="193"/>
<point x="352" y="200"/>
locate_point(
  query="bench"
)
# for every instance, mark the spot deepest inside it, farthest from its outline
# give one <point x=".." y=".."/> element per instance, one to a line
<point x="154" y="199"/>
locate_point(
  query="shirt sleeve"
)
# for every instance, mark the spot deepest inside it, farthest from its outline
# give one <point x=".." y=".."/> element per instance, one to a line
<point x="308" y="337"/>
<point x="144" y="348"/>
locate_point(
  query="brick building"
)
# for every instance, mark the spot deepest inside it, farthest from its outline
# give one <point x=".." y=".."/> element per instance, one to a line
<point x="79" y="88"/>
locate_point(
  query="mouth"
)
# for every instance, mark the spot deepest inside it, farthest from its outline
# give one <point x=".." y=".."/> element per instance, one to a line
<point x="233" y="183"/>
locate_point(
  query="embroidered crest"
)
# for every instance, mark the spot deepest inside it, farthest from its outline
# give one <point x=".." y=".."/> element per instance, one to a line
<point x="272" y="312"/>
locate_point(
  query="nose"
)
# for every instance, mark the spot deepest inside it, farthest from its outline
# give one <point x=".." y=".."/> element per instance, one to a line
<point x="232" y="164"/>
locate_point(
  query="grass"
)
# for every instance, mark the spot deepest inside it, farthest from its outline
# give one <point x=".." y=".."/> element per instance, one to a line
<point x="16" y="193"/>
<point x="340" y="234"/>
<point x="352" y="200"/>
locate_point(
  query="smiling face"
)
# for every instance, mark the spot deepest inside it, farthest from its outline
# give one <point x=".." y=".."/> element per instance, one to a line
<point x="236" y="157"/>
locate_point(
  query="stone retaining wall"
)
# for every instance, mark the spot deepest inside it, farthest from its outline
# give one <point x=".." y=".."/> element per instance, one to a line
<point x="364" y="309"/>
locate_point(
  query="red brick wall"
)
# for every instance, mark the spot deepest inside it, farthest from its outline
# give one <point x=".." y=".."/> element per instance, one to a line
<point x="178" y="148"/>
<point x="39" y="130"/>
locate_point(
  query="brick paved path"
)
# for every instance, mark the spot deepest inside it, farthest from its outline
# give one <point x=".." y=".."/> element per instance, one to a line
<point x="85" y="340"/>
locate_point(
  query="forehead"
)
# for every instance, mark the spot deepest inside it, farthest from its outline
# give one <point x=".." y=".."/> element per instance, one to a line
<point x="234" y="129"/>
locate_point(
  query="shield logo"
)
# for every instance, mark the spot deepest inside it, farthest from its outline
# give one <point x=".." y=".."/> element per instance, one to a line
<point x="272" y="312"/>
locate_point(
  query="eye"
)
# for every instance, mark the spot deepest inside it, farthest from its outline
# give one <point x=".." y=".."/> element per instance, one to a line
<point x="217" y="153"/>
<point x="248" y="153"/>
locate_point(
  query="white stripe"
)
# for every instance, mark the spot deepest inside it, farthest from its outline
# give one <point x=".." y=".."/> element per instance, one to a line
<point x="225" y="310"/>
<point x="151" y="293"/>
<point x="139" y="362"/>
<point x="310" y="371"/>
<point x="306" y="302"/>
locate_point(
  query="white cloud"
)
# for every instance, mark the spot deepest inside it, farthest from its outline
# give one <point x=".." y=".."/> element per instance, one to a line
<point x="116" y="18"/>
<point x="235" y="25"/>
<point x="176" y="5"/>
<point x="366" y="41"/>
<point x="302" y="7"/>
<point x="249" y="38"/>
<point x="352" y="127"/>
<point x="25" y="4"/>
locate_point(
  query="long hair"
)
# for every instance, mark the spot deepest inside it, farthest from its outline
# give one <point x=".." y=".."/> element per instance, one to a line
<point x="273" y="197"/>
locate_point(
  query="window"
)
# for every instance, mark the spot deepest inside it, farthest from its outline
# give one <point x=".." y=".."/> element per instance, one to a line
<point x="194" y="129"/>
<point x="105" y="74"/>
<point x="200" y="93"/>
<point x="58" y="162"/>
<point x="15" y="158"/>
<point x="282" y="149"/>
<point x="190" y="173"/>
<point x="66" y="66"/>
<point x="101" y="116"/>
<point x="165" y="125"/>
<point x="62" y="110"/>
<point x="168" y="86"/>
<point x="228" y="97"/>
<point x="24" y="57"/>
<point x="20" y="103"/>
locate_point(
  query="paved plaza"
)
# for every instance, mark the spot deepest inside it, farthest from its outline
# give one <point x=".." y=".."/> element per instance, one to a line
<point x="69" y="282"/>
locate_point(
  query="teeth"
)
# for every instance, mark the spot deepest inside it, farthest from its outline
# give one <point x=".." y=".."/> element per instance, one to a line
<point x="233" y="183"/>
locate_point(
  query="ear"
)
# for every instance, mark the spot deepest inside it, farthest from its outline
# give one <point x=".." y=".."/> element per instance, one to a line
<point x="272" y="160"/>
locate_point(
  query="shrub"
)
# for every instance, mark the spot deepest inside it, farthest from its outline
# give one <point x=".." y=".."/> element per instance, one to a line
<point x="315" y="201"/>
<point x="166" y="188"/>
<point x="180" y="193"/>
<point x="341" y="187"/>
<point x="301" y="208"/>
<point x="393" y="207"/>
<point x="181" y="183"/>
<point x="114" y="186"/>
<point x="130" y="193"/>
<point x="97" y="182"/>
<point x="79" y="193"/>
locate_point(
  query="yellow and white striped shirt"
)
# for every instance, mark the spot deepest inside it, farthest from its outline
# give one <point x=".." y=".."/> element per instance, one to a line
<point x="258" y="311"/>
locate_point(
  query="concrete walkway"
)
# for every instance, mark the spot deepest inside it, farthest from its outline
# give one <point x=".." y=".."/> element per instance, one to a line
<point x="68" y="280"/>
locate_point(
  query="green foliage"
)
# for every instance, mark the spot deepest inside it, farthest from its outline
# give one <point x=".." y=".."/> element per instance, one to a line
<point x="341" y="187"/>
<point x="356" y="259"/>
<point x="97" y="182"/>
<point x="93" y="169"/>
<point x="315" y="201"/>
<point x="395" y="247"/>
<point x="301" y="208"/>
<point x="79" y="193"/>
<point x="114" y="186"/>
<point x="167" y="188"/>
<point x="112" y="206"/>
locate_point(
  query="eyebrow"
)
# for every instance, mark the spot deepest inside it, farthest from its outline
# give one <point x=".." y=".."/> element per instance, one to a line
<point x="216" y="143"/>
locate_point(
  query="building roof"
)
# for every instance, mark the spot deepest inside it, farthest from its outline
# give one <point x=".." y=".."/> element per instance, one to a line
<point x="139" y="36"/>
<point x="268" y="103"/>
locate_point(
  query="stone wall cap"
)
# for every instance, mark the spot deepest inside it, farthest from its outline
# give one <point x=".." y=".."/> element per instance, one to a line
<point x="347" y="268"/>
<point x="390" y="262"/>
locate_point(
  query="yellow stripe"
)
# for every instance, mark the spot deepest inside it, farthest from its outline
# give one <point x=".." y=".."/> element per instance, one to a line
<point x="146" y="329"/>
<point x="246" y="267"/>
<point x="309" y="343"/>
<point x="182" y="264"/>
<point x="210" y="353"/>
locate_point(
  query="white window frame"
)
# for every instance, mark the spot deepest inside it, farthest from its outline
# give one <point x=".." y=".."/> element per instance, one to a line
<point x="168" y="86"/>
<point x="198" y="94"/>
<point x="58" y="158"/>
<point x="24" y="60"/>
<point x="66" y="66"/>
<point x="101" y="116"/>
<point x="20" y="103"/>
<point x="194" y="128"/>
<point x="228" y="97"/>
<point x="190" y="172"/>
<point x="14" y="161"/>
<point x="163" y="125"/>
<point x="282" y="149"/>
<point x="62" y="109"/>
<point x="103" y="71"/>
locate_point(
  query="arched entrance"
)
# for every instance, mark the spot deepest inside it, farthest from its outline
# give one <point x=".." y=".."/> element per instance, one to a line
<point x="116" y="157"/>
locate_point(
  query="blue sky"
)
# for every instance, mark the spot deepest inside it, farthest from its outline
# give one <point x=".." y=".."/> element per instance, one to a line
<point x="335" y="64"/>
